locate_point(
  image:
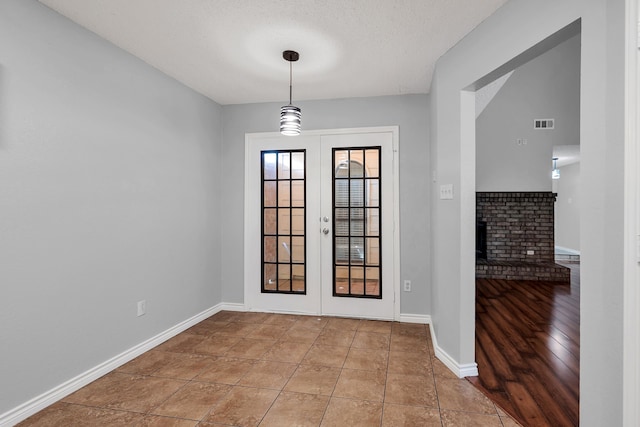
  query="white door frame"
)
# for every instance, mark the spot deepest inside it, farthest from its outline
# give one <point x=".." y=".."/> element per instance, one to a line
<point x="631" y="320"/>
<point x="249" y="232"/>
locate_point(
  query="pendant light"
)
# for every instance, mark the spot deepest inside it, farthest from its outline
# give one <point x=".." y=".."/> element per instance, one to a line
<point x="289" y="114"/>
<point x="555" y="173"/>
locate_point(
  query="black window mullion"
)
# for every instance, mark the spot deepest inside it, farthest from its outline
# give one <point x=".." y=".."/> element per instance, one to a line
<point x="277" y="181"/>
<point x="349" y="218"/>
<point x="364" y="222"/>
<point x="304" y="213"/>
<point x="290" y="222"/>
<point x="333" y="216"/>
<point x="380" y="220"/>
<point x="262" y="233"/>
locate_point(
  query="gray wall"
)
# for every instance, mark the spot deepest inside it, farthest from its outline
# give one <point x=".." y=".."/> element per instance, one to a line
<point x="109" y="177"/>
<point x="409" y="112"/>
<point x="545" y="87"/>
<point x="514" y="28"/>
<point x="567" y="211"/>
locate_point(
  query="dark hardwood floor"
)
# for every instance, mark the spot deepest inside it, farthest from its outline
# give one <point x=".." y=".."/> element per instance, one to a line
<point x="528" y="348"/>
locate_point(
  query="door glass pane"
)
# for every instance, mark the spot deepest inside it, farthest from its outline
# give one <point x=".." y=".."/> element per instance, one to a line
<point x="373" y="280"/>
<point x="297" y="250"/>
<point x="373" y="251"/>
<point x="357" y="222"/>
<point x="297" y="165"/>
<point x="357" y="251"/>
<point x="269" y="194"/>
<point x="284" y="165"/>
<point x="269" y="224"/>
<point x="283" y="221"/>
<point x="284" y="193"/>
<point x="341" y="281"/>
<point x="298" y="281"/>
<point x="284" y="250"/>
<point x="372" y="187"/>
<point x="356" y="175"/>
<point x="269" y="249"/>
<point x="373" y="223"/>
<point x="356" y="164"/>
<point x="297" y="222"/>
<point x="269" y="165"/>
<point x="341" y="222"/>
<point x="341" y="192"/>
<point x="297" y="193"/>
<point x="357" y="281"/>
<point x="372" y="159"/>
<point x="356" y="195"/>
<point x="284" y="277"/>
<point x="341" y="250"/>
<point x="269" y="277"/>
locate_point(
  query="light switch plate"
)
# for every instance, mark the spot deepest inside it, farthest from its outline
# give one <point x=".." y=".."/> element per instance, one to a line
<point x="446" y="192"/>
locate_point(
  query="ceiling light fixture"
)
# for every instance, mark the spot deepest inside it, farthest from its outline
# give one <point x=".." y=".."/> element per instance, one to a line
<point x="289" y="114"/>
<point x="555" y="173"/>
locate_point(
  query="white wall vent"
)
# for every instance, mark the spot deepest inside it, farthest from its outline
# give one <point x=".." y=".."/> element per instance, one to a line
<point x="544" y="123"/>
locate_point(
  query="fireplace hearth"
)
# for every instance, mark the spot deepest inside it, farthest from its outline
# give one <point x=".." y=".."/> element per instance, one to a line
<point x="515" y="236"/>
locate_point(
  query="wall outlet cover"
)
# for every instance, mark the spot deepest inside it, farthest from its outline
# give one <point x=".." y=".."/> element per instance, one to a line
<point x="142" y="307"/>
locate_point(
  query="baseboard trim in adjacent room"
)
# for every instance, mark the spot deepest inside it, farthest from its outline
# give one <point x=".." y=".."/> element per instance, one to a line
<point x="461" y="370"/>
<point x="49" y="397"/>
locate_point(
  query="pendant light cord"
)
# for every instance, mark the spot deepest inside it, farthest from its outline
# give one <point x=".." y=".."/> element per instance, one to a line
<point x="290" y="81"/>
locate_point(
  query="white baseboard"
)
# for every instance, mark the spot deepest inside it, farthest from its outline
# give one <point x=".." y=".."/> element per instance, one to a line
<point x="230" y="306"/>
<point x="38" y="403"/>
<point x="570" y="250"/>
<point x="424" y="319"/>
<point x="465" y="370"/>
<point x="460" y="370"/>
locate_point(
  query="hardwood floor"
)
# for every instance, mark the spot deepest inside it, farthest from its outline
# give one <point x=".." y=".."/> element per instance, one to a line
<point x="528" y="348"/>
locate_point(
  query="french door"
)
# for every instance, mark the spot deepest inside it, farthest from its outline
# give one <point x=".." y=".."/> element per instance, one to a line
<point x="320" y="235"/>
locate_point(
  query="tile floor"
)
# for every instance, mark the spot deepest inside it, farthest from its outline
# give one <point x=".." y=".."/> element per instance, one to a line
<point x="250" y="369"/>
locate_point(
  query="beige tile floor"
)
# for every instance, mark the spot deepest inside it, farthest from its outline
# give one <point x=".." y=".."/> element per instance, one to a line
<point x="250" y="369"/>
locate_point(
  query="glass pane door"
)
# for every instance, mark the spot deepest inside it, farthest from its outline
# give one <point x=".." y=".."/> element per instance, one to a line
<point x="283" y="221"/>
<point x="356" y="222"/>
<point x="357" y="254"/>
<point x="319" y="224"/>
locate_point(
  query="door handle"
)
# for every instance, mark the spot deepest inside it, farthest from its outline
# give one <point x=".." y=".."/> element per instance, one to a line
<point x="325" y="230"/>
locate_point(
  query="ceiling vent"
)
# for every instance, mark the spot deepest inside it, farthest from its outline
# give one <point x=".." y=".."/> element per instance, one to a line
<point x="543" y="123"/>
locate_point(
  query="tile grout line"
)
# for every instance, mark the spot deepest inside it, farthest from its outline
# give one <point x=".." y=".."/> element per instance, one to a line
<point x="386" y="379"/>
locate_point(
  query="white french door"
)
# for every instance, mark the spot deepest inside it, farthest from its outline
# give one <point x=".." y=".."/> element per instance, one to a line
<point x="320" y="215"/>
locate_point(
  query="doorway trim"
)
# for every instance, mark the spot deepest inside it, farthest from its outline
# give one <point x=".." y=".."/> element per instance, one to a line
<point x="394" y="130"/>
<point x="467" y="189"/>
<point x="631" y="319"/>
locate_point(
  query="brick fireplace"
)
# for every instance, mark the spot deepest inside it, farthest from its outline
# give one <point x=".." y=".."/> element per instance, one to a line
<point x="519" y="240"/>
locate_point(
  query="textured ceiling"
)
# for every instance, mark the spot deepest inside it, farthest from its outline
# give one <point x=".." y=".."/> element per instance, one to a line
<point x="231" y="50"/>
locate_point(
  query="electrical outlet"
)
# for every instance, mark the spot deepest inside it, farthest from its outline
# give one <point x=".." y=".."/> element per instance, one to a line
<point x="407" y="285"/>
<point x="142" y="307"/>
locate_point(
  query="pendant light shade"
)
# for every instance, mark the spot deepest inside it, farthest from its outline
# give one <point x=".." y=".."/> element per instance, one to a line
<point x="290" y="120"/>
<point x="555" y="172"/>
<point x="290" y="115"/>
